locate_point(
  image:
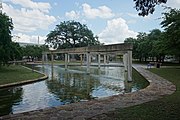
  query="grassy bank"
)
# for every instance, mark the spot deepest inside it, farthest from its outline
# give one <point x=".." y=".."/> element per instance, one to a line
<point x="167" y="108"/>
<point x="15" y="73"/>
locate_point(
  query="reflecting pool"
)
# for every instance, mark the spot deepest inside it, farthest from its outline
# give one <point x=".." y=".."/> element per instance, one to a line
<point x="67" y="86"/>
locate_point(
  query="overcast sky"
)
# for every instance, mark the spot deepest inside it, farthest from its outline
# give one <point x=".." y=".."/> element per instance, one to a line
<point x="111" y="20"/>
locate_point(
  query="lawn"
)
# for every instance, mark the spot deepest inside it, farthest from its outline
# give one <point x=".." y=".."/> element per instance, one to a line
<point x="167" y="108"/>
<point x="15" y="73"/>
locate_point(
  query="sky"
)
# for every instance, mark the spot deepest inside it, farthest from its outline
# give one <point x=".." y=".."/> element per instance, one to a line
<point x="111" y="20"/>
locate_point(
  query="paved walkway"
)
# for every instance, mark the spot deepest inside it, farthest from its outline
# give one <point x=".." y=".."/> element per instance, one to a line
<point x="158" y="88"/>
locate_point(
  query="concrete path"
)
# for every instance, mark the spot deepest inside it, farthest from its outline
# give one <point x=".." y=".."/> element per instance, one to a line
<point x="158" y="88"/>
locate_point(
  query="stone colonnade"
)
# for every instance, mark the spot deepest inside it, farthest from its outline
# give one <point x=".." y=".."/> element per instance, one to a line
<point x="101" y="50"/>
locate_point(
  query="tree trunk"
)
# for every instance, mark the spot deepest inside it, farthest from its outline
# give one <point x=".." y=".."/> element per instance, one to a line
<point x="145" y="59"/>
<point x="156" y="59"/>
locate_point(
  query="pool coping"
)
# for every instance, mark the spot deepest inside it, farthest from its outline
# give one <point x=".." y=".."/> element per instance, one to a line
<point x="25" y="81"/>
<point x="158" y="88"/>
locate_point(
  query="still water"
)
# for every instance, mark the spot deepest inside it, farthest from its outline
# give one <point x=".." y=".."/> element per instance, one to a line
<point x="68" y="86"/>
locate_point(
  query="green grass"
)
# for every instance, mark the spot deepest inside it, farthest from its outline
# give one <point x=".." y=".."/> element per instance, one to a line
<point x="15" y="73"/>
<point x="163" y="64"/>
<point x="170" y="64"/>
<point x="166" y="108"/>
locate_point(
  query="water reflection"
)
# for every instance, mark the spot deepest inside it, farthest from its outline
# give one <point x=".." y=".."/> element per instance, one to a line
<point x="8" y="98"/>
<point x="72" y="87"/>
<point x="68" y="86"/>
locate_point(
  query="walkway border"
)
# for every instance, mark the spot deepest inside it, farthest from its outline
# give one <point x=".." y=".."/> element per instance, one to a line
<point x="157" y="88"/>
<point x="25" y="81"/>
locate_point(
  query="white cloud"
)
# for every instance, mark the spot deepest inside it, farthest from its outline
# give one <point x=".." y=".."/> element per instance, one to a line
<point x="28" y="20"/>
<point x="24" y="38"/>
<point x="133" y="15"/>
<point x="42" y="6"/>
<point x="92" y="13"/>
<point x="116" y="31"/>
<point x="131" y="21"/>
<point x="173" y="3"/>
<point x="72" y="15"/>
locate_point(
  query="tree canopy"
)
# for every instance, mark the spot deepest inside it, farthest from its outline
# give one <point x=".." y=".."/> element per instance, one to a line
<point x="70" y="34"/>
<point x="157" y="44"/>
<point x="146" y="7"/>
<point x="148" y="46"/>
<point x="171" y="25"/>
<point x="6" y="26"/>
<point x="33" y="52"/>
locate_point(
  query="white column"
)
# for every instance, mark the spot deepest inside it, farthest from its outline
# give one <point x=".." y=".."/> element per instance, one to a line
<point x="43" y="60"/>
<point x="129" y="58"/>
<point x="116" y="57"/>
<point x="125" y="61"/>
<point x="84" y="58"/>
<point x="127" y="86"/>
<point x="46" y="58"/>
<point x="52" y="57"/>
<point x="99" y="60"/>
<point x="104" y="59"/>
<point x="107" y="59"/>
<point x="81" y="57"/>
<point x="88" y="62"/>
<point x="89" y="59"/>
<point x="52" y="70"/>
<point x="66" y="60"/>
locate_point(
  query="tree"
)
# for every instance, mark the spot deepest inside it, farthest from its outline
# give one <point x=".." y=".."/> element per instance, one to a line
<point x="148" y="46"/>
<point x="71" y="34"/>
<point x="6" y="26"/>
<point x="140" y="46"/>
<point x="143" y="48"/>
<point x="171" y="25"/>
<point x="158" y="49"/>
<point x="147" y="6"/>
<point x="16" y="51"/>
<point x="33" y="52"/>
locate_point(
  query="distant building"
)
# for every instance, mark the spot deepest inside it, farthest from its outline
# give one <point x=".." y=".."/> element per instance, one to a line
<point x="22" y="44"/>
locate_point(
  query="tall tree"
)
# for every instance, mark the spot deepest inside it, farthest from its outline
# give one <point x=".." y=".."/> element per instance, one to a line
<point x="16" y="51"/>
<point x="6" y="26"/>
<point x="141" y="47"/>
<point x="70" y="34"/>
<point x="171" y="25"/>
<point x="32" y="52"/>
<point x="146" y="7"/>
<point x="156" y="40"/>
